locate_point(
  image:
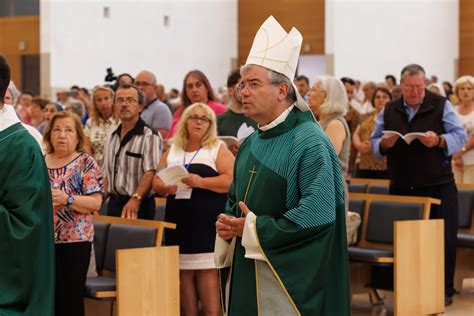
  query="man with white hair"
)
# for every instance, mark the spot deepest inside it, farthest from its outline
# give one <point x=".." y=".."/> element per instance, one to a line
<point x="26" y="217"/>
<point x="283" y="232"/>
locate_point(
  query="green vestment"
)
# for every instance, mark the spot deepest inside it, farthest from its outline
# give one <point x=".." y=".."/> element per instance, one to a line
<point x="289" y="176"/>
<point x="26" y="227"/>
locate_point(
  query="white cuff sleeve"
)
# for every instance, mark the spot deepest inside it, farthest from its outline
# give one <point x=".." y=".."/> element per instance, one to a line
<point x="250" y="238"/>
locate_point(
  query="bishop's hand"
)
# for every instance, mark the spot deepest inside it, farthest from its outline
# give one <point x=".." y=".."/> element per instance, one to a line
<point x="228" y="227"/>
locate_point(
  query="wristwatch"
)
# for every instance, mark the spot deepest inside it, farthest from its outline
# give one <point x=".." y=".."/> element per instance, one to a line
<point x="137" y="196"/>
<point x="70" y="200"/>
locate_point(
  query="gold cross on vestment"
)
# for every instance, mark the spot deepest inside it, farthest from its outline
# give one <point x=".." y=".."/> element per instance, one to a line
<point x="252" y="173"/>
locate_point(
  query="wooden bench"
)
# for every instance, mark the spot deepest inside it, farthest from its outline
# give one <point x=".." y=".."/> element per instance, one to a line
<point x="134" y="269"/>
<point x="396" y="231"/>
<point x="465" y="248"/>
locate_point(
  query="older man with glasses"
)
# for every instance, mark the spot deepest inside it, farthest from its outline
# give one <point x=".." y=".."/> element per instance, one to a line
<point x="131" y="155"/>
<point x="423" y="167"/>
<point x="155" y="113"/>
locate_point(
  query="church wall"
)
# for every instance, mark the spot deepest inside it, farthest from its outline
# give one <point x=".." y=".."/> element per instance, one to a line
<point x="81" y="38"/>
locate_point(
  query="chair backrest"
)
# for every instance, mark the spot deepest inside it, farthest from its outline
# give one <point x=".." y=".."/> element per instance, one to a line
<point x="126" y="237"/>
<point x="357" y="206"/>
<point x="101" y="232"/>
<point x="378" y="189"/>
<point x="466" y="205"/>
<point x="160" y="212"/>
<point x="357" y="187"/>
<point x="383" y="214"/>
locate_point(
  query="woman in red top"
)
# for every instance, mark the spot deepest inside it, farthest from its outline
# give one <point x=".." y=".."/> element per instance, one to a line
<point x="196" y="89"/>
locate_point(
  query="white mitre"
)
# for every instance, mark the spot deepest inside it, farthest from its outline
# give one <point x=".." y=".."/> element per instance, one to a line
<point x="279" y="51"/>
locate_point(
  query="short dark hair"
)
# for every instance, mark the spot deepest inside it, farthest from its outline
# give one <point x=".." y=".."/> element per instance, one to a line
<point x="302" y="77"/>
<point x="4" y="77"/>
<point x="391" y="77"/>
<point x="233" y="78"/>
<point x="384" y="90"/>
<point x="348" y="80"/>
<point x="141" y="96"/>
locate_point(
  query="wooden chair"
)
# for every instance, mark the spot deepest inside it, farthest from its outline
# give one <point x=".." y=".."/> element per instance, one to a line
<point x="132" y="263"/>
<point x="465" y="248"/>
<point x="396" y="232"/>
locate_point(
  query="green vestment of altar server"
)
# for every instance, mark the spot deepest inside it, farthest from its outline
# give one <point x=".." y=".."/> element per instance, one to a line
<point x="26" y="227"/>
<point x="289" y="177"/>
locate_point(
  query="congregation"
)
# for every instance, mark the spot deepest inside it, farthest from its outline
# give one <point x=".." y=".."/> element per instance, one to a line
<point x="105" y="145"/>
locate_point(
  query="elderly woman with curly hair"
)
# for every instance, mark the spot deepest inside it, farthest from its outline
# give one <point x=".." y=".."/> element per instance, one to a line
<point x="76" y="186"/>
<point x="195" y="204"/>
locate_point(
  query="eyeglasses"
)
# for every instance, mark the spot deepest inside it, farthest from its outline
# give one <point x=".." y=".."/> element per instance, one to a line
<point x="414" y="87"/>
<point x="203" y="119"/>
<point x="121" y="101"/>
<point x="252" y="85"/>
<point x="143" y="84"/>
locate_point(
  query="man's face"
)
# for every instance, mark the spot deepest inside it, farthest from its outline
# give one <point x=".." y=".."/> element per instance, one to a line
<point x="127" y="102"/>
<point x="259" y="97"/>
<point x="145" y="84"/>
<point x="413" y="89"/>
<point x="302" y="87"/>
<point x="349" y="90"/>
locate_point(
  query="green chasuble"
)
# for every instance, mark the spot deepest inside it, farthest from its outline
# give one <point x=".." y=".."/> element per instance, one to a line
<point x="289" y="177"/>
<point x="26" y="227"/>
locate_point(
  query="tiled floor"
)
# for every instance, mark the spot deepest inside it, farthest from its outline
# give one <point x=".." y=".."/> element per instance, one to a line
<point x="463" y="304"/>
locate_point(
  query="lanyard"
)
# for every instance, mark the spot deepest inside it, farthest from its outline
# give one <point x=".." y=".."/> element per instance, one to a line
<point x="186" y="165"/>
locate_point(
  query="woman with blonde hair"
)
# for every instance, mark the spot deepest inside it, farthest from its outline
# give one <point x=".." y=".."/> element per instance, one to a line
<point x="463" y="161"/>
<point x="195" y="204"/>
<point x="102" y="122"/>
<point x="328" y="101"/>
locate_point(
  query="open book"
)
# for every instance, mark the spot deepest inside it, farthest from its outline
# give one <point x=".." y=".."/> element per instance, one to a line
<point x="408" y="138"/>
<point x="173" y="175"/>
<point x="243" y="132"/>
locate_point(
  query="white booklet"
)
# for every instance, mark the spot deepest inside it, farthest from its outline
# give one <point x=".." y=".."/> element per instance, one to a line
<point x="173" y="175"/>
<point x="408" y="138"/>
<point x="243" y="132"/>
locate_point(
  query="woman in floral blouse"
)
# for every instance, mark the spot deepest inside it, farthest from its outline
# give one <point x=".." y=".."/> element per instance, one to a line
<point x="76" y="185"/>
<point x="369" y="165"/>
<point x="103" y="121"/>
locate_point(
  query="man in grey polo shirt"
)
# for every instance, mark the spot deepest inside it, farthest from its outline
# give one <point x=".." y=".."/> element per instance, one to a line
<point x="156" y="114"/>
<point x="131" y="155"/>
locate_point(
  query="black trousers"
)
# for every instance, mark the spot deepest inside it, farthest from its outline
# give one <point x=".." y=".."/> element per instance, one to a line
<point x="117" y="202"/>
<point x="72" y="262"/>
<point x="448" y="210"/>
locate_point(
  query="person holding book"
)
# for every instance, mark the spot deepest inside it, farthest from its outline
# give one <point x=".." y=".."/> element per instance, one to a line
<point x="423" y="167"/>
<point x="234" y="123"/>
<point x="195" y="203"/>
